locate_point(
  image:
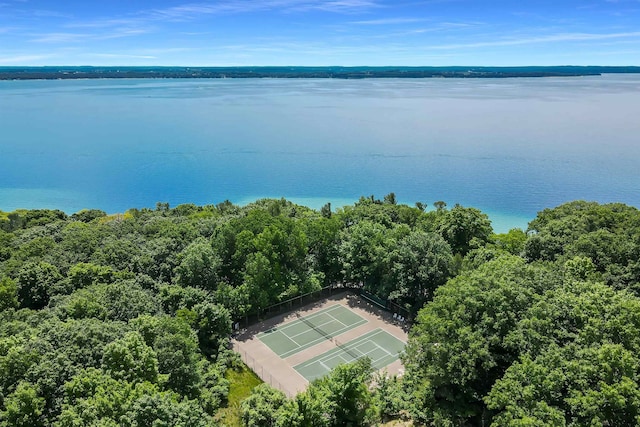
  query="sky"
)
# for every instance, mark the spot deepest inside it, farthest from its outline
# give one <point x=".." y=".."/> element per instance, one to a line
<point x="319" y="32"/>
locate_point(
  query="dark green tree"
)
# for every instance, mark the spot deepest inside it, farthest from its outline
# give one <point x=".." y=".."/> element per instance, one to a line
<point x="342" y="398"/>
<point x="8" y="294"/>
<point x="261" y="408"/>
<point x="390" y="199"/>
<point x="464" y="228"/>
<point x="36" y="281"/>
<point x="571" y="386"/>
<point x="85" y="274"/>
<point x="418" y="265"/>
<point x="199" y="266"/>
<point x="176" y="347"/>
<point x="88" y="215"/>
<point x="513" y="241"/>
<point x="362" y="252"/>
<point x="461" y="344"/>
<point x="326" y="210"/>
<point x="213" y="324"/>
<point x="130" y="359"/>
<point x="23" y="408"/>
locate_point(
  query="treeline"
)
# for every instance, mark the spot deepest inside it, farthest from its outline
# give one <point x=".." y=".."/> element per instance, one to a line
<point x="548" y="335"/>
<point x="124" y="319"/>
<point x="88" y="72"/>
<point x="536" y="329"/>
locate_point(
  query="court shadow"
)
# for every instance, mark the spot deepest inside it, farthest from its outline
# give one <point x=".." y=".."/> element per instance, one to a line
<point x="270" y="323"/>
<point x="372" y="309"/>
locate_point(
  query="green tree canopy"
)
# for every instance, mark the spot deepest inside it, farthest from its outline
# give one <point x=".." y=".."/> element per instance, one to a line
<point x="130" y="359"/>
<point x="199" y="266"/>
<point x="36" y="283"/>
<point x="464" y="228"/>
<point x="459" y="345"/>
<point x="418" y="264"/>
<point x="260" y="409"/>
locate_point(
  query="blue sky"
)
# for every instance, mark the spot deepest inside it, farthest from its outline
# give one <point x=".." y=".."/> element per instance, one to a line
<point x="319" y="32"/>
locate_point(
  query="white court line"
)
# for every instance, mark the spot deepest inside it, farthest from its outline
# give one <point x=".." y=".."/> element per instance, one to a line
<point x="340" y="353"/>
<point x="336" y="319"/>
<point x="317" y="326"/>
<point x="356" y="349"/>
<point x="310" y="316"/>
<point x="382" y="348"/>
<point x="376" y="344"/>
<point x="291" y="339"/>
<point x="345" y="360"/>
<point x="296" y="321"/>
<point x="324" y="366"/>
<point x="338" y="332"/>
<point x="374" y="361"/>
<point x="321" y="339"/>
<point x="325" y="359"/>
<point x="337" y="354"/>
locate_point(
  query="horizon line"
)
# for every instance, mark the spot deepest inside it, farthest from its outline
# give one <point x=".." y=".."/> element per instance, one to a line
<point x="321" y="66"/>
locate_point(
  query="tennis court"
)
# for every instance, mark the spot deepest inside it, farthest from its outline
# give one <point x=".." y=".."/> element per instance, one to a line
<point x="290" y="350"/>
<point x="307" y="331"/>
<point x="378" y="345"/>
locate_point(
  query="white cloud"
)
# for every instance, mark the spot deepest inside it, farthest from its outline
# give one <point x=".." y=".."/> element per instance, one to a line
<point x="122" y="32"/>
<point x="62" y="38"/>
<point x="561" y="37"/>
<point x="59" y="38"/>
<point x="337" y="6"/>
<point x="41" y="13"/>
<point x="243" y="6"/>
<point x="388" y="21"/>
<point x="120" y="55"/>
<point x="193" y="11"/>
<point x="22" y="59"/>
<point x="436" y="27"/>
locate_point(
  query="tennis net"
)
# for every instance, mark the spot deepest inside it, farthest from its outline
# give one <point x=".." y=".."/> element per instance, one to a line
<point x="329" y="337"/>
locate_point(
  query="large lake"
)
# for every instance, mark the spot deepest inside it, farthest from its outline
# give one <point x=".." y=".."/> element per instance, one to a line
<point x="510" y="147"/>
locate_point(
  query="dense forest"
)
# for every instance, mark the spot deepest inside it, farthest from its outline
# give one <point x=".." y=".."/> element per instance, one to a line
<point x="88" y="72"/>
<point x="124" y="320"/>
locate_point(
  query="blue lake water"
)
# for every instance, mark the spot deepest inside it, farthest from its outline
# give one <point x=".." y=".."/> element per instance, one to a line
<point x="510" y="147"/>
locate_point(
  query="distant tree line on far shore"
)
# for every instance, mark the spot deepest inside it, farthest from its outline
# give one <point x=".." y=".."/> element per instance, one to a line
<point x="88" y="72"/>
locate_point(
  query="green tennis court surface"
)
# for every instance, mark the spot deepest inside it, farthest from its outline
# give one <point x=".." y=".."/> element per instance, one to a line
<point x="310" y="330"/>
<point x="379" y="345"/>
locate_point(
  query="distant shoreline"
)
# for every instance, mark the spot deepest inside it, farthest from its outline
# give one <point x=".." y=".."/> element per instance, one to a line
<point x="90" y="72"/>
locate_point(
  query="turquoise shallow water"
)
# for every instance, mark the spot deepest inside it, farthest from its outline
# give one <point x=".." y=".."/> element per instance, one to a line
<point x="508" y="146"/>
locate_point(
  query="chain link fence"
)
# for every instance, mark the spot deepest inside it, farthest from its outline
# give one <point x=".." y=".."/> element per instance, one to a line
<point x="320" y="294"/>
<point x="292" y="303"/>
<point x="297" y="302"/>
<point x="387" y="305"/>
<point x="259" y="370"/>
